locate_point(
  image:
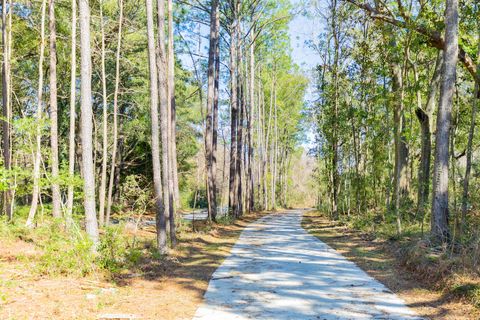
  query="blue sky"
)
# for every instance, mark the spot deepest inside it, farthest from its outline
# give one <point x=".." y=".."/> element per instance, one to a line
<point x="304" y="28"/>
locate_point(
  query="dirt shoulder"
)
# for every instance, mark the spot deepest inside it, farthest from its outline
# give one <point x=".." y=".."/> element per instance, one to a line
<point x="170" y="288"/>
<point x="379" y="258"/>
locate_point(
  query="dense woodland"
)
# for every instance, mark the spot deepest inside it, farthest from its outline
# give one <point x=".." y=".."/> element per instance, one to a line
<point x="117" y="108"/>
<point x="396" y="116"/>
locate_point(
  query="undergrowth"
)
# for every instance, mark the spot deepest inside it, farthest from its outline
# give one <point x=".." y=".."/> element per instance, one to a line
<point x="452" y="268"/>
<point x="468" y="291"/>
<point x="62" y="252"/>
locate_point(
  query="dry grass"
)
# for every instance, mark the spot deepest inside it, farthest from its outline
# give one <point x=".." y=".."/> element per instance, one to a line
<point x="385" y="261"/>
<point x="168" y="288"/>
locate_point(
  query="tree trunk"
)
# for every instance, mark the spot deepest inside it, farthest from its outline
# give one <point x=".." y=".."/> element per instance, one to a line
<point x="157" y="176"/>
<point x="117" y="189"/>
<point x="267" y="143"/>
<point x="264" y="156"/>
<point x="103" y="181"/>
<point x="251" y="190"/>
<point x="172" y="148"/>
<point x="38" y="139"/>
<point x="453" y="133"/>
<point x="274" y="150"/>
<point x="471" y="134"/>
<point x="335" y="173"/>
<point x="425" y="118"/>
<point x="224" y="171"/>
<point x="87" y="122"/>
<point x="401" y="150"/>
<point x="439" y="226"/>
<point x="163" y="94"/>
<point x="209" y="130"/>
<point x="71" y="135"/>
<point x="6" y="111"/>
<point x="239" y="156"/>
<point x="232" y="199"/>
<point x="215" y="105"/>
<point x="56" y="197"/>
<point x="172" y="123"/>
<point x="356" y="156"/>
<point x="115" y="113"/>
<point x="259" y="145"/>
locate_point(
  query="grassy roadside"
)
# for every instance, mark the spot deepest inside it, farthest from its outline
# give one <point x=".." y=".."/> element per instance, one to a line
<point x="147" y="286"/>
<point x="381" y="259"/>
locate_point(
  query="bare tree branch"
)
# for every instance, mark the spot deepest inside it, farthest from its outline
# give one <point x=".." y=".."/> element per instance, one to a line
<point x="434" y="37"/>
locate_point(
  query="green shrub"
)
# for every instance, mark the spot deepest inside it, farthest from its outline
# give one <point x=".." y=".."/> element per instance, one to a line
<point x="198" y="199"/>
<point x="134" y="256"/>
<point x="65" y="253"/>
<point x="226" y="219"/>
<point x="112" y="249"/>
<point x="69" y="252"/>
<point x="12" y="230"/>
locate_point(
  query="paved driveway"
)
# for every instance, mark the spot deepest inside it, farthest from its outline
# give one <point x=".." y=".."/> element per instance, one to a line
<point x="279" y="271"/>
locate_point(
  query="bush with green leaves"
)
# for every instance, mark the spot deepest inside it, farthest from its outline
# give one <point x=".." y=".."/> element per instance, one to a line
<point x="112" y="249"/>
<point x="64" y="253"/>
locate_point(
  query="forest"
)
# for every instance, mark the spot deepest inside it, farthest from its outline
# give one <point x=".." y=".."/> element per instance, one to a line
<point x="141" y="138"/>
<point x="141" y="130"/>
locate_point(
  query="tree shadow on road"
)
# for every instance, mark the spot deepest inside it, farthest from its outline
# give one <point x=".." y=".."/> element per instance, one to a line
<point x="379" y="258"/>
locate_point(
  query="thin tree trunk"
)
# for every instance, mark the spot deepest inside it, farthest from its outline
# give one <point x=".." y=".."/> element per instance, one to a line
<point x="285" y="179"/>
<point x="6" y="112"/>
<point x="115" y="114"/>
<point x="224" y="171"/>
<point x="215" y="104"/>
<point x="211" y="175"/>
<point x="157" y="176"/>
<point x="56" y="197"/>
<point x="280" y="176"/>
<point x="425" y="118"/>
<point x="471" y="134"/>
<point x="117" y="190"/>
<point x="439" y="226"/>
<point x="356" y="155"/>
<point x="172" y="117"/>
<point x="264" y="154"/>
<point x="91" y="223"/>
<point x="453" y="133"/>
<point x="232" y="199"/>
<point x="71" y="135"/>
<point x="274" y="150"/>
<point x="259" y="145"/>
<point x="401" y="151"/>
<point x="335" y="173"/>
<point x="103" y="181"/>
<point x="267" y="146"/>
<point x="163" y="94"/>
<point x="251" y="193"/>
<point x="239" y="156"/>
<point x="38" y="138"/>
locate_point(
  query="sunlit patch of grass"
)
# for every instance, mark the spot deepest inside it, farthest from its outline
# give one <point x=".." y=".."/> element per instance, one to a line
<point x="213" y="247"/>
<point x="337" y="234"/>
<point x="12" y="230"/>
<point x="226" y="220"/>
<point x="63" y="252"/>
<point x="468" y="291"/>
